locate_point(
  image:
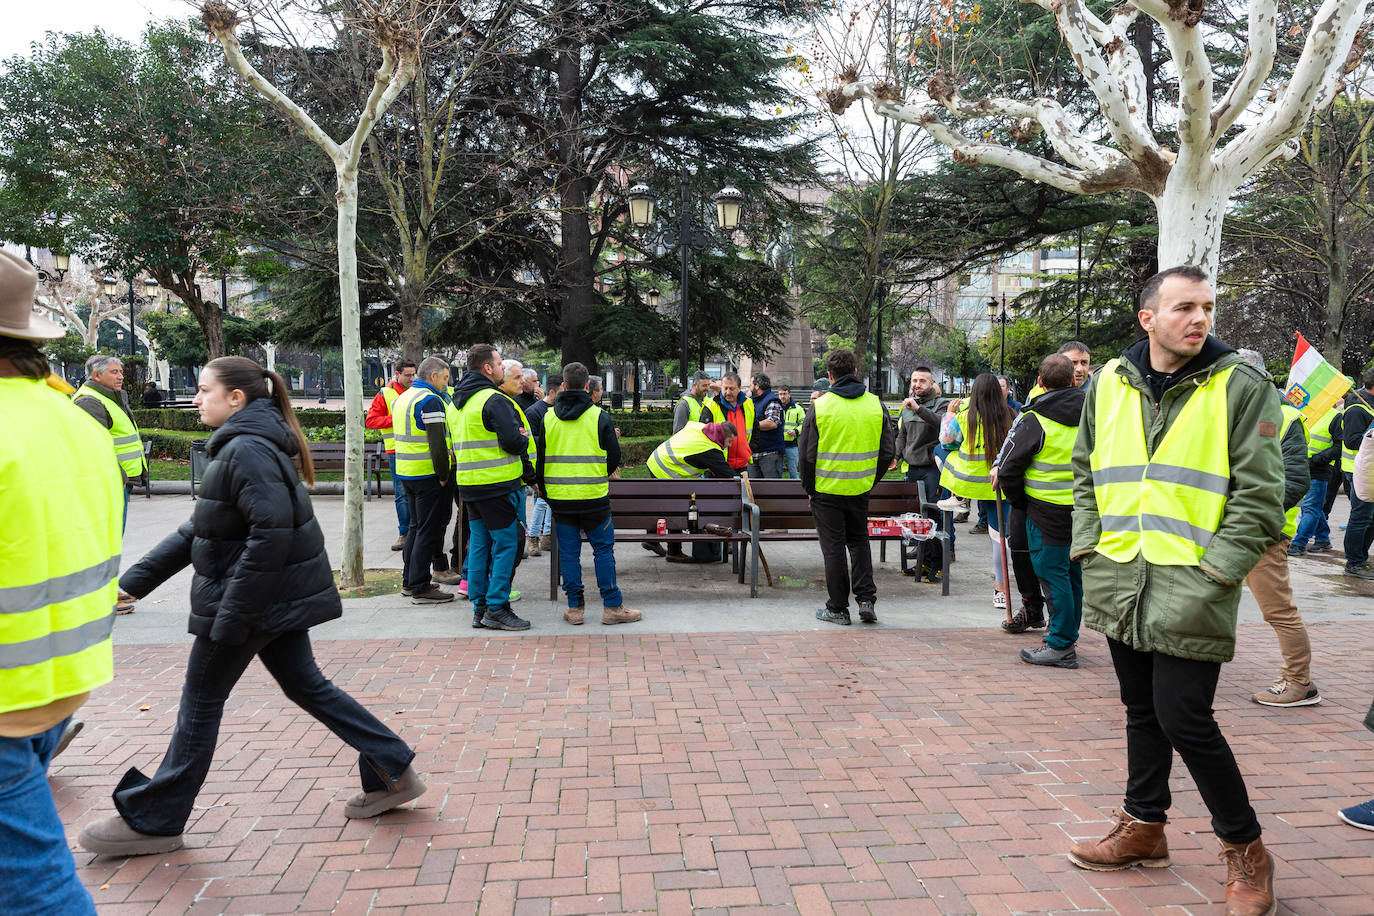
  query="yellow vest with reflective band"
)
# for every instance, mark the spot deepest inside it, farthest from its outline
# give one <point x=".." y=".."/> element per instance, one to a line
<point x="59" y="562"/>
<point x="1035" y="392"/>
<point x="1050" y="475"/>
<point x="390" y="395"/>
<point x="1290" y="413"/>
<point x="479" y="458"/>
<point x="792" y="419"/>
<point x="1348" y="454"/>
<point x="849" y="432"/>
<point x="1319" y="436"/>
<point x="968" y="472"/>
<point x="716" y="414"/>
<point x="574" y="461"/>
<point x="694" y="408"/>
<point x="128" y="447"/>
<point x="1164" y="506"/>
<point x="669" y="460"/>
<point x="412" y="442"/>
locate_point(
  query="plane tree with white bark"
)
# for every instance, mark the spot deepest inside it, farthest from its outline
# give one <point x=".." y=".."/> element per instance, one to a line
<point x="1224" y="135"/>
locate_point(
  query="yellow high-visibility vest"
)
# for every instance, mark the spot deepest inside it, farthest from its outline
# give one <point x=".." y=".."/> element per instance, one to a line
<point x="712" y="412"/>
<point x="1348" y="454"/>
<point x="412" y="443"/>
<point x="792" y="419"/>
<point x="63" y="503"/>
<point x="574" y="461"/>
<point x="1319" y="436"/>
<point x="669" y="460"/>
<point x="1050" y="475"/>
<point x="128" y="447"/>
<point x="390" y="395"/>
<point x="694" y="408"/>
<point x="479" y="458"/>
<point x="968" y="471"/>
<point x="1290" y="413"/>
<point x="1166" y="506"/>
<point x="849" y="433"/>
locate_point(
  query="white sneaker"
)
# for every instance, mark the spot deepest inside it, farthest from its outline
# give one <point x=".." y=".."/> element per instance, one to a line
<point x="999" y="601"/>
<point x="950" y="504"/>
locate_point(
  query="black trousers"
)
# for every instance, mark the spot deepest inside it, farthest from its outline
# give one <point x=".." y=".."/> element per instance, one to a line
<point x="1027" y="583"/>
<point x="457" y="558"/>
<point x="431" y="506"/>
<point x="161" y="806"/>
<point x="842" y="526"/>
<point x="1169" y="708"/>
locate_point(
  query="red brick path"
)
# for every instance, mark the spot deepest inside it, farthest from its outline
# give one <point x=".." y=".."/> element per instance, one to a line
<point x="853" y="771"/>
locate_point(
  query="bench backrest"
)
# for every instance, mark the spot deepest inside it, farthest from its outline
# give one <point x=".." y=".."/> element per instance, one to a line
<point x="783" y="503"/>
<point x="330" y="455"/>
<point x="639" y="504"/>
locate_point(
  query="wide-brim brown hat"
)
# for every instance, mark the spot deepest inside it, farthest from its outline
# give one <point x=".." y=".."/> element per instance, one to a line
<point x="18" y="283"/>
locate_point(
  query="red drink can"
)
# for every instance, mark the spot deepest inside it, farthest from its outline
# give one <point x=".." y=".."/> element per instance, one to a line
<point x="663" y="526"/>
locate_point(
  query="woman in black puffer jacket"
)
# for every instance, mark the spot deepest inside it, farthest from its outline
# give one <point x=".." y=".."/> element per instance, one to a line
<point x="262" y="579"/>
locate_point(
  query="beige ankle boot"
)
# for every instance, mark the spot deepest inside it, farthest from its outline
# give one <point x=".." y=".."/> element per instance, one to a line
<point x="610" y="615"/>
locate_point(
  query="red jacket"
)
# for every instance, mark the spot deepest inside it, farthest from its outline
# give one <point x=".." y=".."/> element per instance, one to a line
<point x="379" y="415"/>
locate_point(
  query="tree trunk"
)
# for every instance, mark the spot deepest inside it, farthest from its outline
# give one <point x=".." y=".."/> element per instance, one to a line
<point x="351" y="563"/>
<point x="1337" y="290"/>
<point x="1191" y="211"/>
<point x="575" y="262"/>
<point x="412" y="330"/>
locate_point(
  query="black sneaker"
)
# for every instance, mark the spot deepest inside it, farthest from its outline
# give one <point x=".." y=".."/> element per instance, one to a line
<point x="1297" y="550"/>
<point x="866" y="612"/>
<point x="503" y="618"/>
<point x="841" y="618"/>
<point x="1035" y="615"/>
<point x="1319" y="547"/>
<point x="1363" y="571"/>
<point x="477" y="614"/>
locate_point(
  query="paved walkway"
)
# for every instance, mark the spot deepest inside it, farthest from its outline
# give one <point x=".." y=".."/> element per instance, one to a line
<point x="911" y="768"/>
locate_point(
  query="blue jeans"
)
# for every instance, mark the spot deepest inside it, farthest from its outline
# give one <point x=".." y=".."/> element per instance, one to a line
<point x="1359" y="529"/>
<point x="491" y="558"/>
<point x="402" y="503"/>
<point x="602" y="538"/>
<point x="792" y="459"/>
<point x="37" y="871"/>
<point x="1312" y="519"/>
<point x="1061" y="585"/>
<point x="542" y="521"/>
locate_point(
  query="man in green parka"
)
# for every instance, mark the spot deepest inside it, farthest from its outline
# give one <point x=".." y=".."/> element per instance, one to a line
<point x="1178" y="487"/>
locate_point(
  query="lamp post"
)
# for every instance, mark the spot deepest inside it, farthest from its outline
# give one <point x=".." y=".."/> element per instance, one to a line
<point x="112" y="288"/>
<point x="881" y="290"/>
<point x="729" y="200"/>
<point x="1004" y="316"/>
<point x="61" y="263"/>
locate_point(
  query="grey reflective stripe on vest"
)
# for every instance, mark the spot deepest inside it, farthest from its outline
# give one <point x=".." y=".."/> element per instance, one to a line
<point x="1031" y="484"/>
<point x="489" y="463"/>
<point x="971" y="478"/>
<point x="476" y="443"/>
<point x="848" y="456"/>
<point x="672" y="469"/>
<point x="575" y="459"/>
<point x="1050" y="467"/>
<point x="20" y="599"/>
<point x="424" y="456"/>
<point x="1175" y="526"/>
<point x="847" y="475"/>
<point x="574" y="481"/>
<point x="409" y="439"/>
<point x="1189" y="477"/>
<point x="57" y="645"/>
<point x="125" y="440"/>
<point x="1123" y="473"/>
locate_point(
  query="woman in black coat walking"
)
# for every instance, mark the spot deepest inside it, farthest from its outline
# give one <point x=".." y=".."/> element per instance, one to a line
<point x="262" y="580"/>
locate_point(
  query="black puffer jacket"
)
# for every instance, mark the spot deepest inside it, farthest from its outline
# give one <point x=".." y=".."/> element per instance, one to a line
<point x="257" y="549"/>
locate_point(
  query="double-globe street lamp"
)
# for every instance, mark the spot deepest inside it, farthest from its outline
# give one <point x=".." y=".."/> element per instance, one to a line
<point x="1004" y="316"/>
<point x="729" y="201"/>
<point x="111" y="290"/>
<point x="61" y="263"/>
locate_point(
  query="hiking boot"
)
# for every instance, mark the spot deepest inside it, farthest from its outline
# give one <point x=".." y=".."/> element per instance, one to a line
<point x="1319" y="547"/>
<point x="1249" y="879"/>
<point x="575" y="615"/>
<point x="828" y="616"/>
<point x="546" y="542"/>
<point x="406" y="591"/>
<point x="114" y="837"/>
<point x="503" y="618"/>
<point x="532" y="546"/>
<point x="1297" y="550"/>
<point x="1050" y="657"/>
<point x="1130" y="842"/>
<point x="1025" y="618"/>
<point x="655" y="547"/>
<point x="1363" y="571"/>
<point x="979" y="528"/>
<point x="961" y="516"/>
<point x="681" y="558"/>
<point x="1035" y="614"/>
<point x="400" y="543"/>
<point x="370" y="804"/>
<point x="1361" y="815"/>
<point x="447" y="577"/>
<point x="68" y="736"/>
<point x="430" y="594"/>
<point x="611" y="615"/>
<point x="866" y="612"/>
<point x="1286" y="693"/>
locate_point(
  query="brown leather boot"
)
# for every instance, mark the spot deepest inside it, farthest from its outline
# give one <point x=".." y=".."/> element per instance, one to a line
<point x="574" y="615"/>
<point x="1249" y="879"/>
<point x="1130" y="842"/>
<point x="610" y="615"/>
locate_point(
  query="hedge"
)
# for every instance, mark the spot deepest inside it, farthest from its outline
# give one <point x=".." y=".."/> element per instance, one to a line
<point x="189" y="420"/>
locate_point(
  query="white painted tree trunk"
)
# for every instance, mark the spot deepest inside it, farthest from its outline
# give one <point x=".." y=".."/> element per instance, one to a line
<point x="351" y="563"/>
<point x="271" y="351"/>
<point x="1190" y="214"/>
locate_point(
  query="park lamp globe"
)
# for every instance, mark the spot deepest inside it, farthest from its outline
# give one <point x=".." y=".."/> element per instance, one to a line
<point x="992" y="310"/>
<point x="150" y="287"/>
<point x="61" y="261"/>
<point x="729" y="202"/>
<point x="641" y="205"/>
<point x="110" y="284"/>
<point x="654" y="298"/>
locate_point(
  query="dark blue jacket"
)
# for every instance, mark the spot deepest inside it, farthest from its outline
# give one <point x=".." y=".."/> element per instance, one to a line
<point x="766" y="440"/>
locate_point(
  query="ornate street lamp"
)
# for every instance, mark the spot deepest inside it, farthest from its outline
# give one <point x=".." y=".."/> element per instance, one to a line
<point x="1003" y="316"/>
<point x="111" y="286"/>
<point x="61" y="263"/>
<point x="654" y="297"/>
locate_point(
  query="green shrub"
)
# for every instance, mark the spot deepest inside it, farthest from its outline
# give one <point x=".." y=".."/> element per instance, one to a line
<point x="170" y="446"/>
<point x="172" y="418"/>
<point x="637" y="449"/>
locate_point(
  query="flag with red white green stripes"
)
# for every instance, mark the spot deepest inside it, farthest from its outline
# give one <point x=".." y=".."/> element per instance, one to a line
<point x="1314" y="385"/>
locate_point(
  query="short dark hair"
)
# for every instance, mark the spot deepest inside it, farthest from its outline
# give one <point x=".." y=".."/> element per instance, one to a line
<point x="1368" y="377"/>
<point x="575" y="376"/>
<point x="787" y="388"/>
<point x="729" y="428"/>
<point x="1056" y="371"/>
<point x="841" y="362"/>
<point x="925" y="369"/>
<point x="700" y="376"/>
<point x="553" y="381"/>
<point x="403" y="365"/>
<point x="762" y="380"/>
<point x="1074" y="345"/>
<point x="1150" y="291"/>
<point x="480" y="355"/>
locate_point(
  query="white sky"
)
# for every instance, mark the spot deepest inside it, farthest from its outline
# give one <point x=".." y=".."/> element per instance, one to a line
<point x="27" y="20"/>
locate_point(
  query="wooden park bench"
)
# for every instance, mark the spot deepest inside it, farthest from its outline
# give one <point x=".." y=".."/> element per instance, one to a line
<point x="780" y="511"/>
<point x="329" y="456"/>
<point x="637" y="505"/>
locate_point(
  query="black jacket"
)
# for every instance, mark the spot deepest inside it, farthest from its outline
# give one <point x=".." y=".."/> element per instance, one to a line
<point x="1023" y="443"/>
<point x="253" y="540"/>
<point x="846" y="386"/>
<point x="499" y="416"/>
<point x="569" y="406"/>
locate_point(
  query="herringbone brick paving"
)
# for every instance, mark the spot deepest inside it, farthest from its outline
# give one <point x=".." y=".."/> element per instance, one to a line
<point x="856" y="771"/>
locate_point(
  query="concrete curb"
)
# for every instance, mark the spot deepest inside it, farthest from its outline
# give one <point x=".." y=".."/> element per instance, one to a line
<point x="323" y="488"/>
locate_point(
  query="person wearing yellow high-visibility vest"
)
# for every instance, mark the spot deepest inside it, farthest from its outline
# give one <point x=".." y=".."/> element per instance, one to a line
<point x="736" y="407"/>
<point x="57" y="595"/>
<point x="1356" y="419"/>
<point x="1178" y="487"/>
<point x="691" y="404"/>
<point x="1035" y="472"/>
<point x="846" y="445"/>
<point x="102" y="396"/>
<point x="424" y="445"/>
<point x="1269" y="581"/>
<point x="577" y="454"/>
<point x="792" y="416"/>
<point x="1323" y="448"/>
<point x="379" y="416"/>
<point x="491" y="446"/>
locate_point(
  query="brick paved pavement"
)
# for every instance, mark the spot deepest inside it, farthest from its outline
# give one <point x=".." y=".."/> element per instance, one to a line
<point x="879" y="771"/>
